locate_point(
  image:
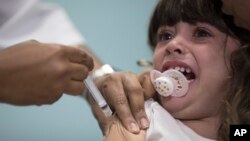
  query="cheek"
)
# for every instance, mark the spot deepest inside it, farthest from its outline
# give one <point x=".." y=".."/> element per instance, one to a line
<point x="157" y="59"/>
<point x="213" y="70"/>
<point x="233" y="46"/>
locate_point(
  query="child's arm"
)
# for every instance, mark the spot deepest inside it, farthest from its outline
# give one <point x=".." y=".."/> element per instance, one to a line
<point x="118" y="133"/>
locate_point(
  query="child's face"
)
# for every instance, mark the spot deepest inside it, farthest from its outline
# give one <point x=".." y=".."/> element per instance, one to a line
<point x="206" y="52"/>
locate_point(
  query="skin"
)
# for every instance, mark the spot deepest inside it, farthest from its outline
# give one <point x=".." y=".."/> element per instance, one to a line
<point x="201" y="47"/>
<point x="119" y="133"/>
<point x="33" y="73"/>
<point x="239" y="9"/>
<point x="206" y="51"/>
<point x="122" y="90"/>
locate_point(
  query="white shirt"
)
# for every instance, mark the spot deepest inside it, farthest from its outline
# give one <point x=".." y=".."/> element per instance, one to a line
<point x="22" y="20"/>
<point x="163" y="127"/>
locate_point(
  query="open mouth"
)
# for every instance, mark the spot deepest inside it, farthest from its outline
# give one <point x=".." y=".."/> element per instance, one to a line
<point x="181" y="67"/>
<point x="187" y="72"/>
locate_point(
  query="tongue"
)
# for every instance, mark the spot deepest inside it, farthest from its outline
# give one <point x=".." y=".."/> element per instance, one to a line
<point x="190" y="76"/>
<point x="169" y="83"/>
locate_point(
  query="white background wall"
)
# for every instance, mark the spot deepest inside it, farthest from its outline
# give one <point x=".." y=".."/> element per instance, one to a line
<point x="116" y="30"/>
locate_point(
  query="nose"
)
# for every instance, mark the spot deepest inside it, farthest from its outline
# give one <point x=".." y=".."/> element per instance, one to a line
<point x="175" y="47"/>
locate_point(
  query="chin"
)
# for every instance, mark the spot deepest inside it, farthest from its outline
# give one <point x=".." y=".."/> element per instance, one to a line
<point x="173" y="104"/>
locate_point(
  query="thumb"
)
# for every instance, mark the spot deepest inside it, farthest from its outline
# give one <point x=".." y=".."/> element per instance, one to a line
<point x="77" y="55"/>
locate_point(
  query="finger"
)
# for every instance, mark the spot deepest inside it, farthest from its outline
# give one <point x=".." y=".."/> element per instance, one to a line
<point x="79" y="56"/>
<point x="114" y="93"/>
<point x="78" y="72"/>
<point x="135" y="95"/>
<point x="74" y="87"/>
<point x="145" y="81"/>
<point x="103" y="121"/>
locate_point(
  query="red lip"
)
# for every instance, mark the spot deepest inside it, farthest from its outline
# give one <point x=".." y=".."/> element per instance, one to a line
<point x="174" y="63"/>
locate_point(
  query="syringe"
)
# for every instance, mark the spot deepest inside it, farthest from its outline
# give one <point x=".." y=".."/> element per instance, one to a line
<point x="96" y="94"/>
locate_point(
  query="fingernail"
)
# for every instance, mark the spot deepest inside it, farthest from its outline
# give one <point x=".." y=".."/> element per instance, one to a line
<point x="144" y="123"/>
<point x="134" y="127"/>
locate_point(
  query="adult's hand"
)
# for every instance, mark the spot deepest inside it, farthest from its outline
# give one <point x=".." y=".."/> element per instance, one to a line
<point x="117" y="132"/>
<point x="37" y="73"/>
<point x="239" y="9"/>
<point x="125" y="93"/>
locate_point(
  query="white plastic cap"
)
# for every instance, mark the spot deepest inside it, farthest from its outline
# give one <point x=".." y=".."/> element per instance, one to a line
<point x="164" y="85"/>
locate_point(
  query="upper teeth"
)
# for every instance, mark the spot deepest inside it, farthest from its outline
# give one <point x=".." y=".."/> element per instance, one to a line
<point x="182" y="69"/>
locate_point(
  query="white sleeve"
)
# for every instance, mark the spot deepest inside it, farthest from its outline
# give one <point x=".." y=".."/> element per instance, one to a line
<point x="40" y="21"/>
